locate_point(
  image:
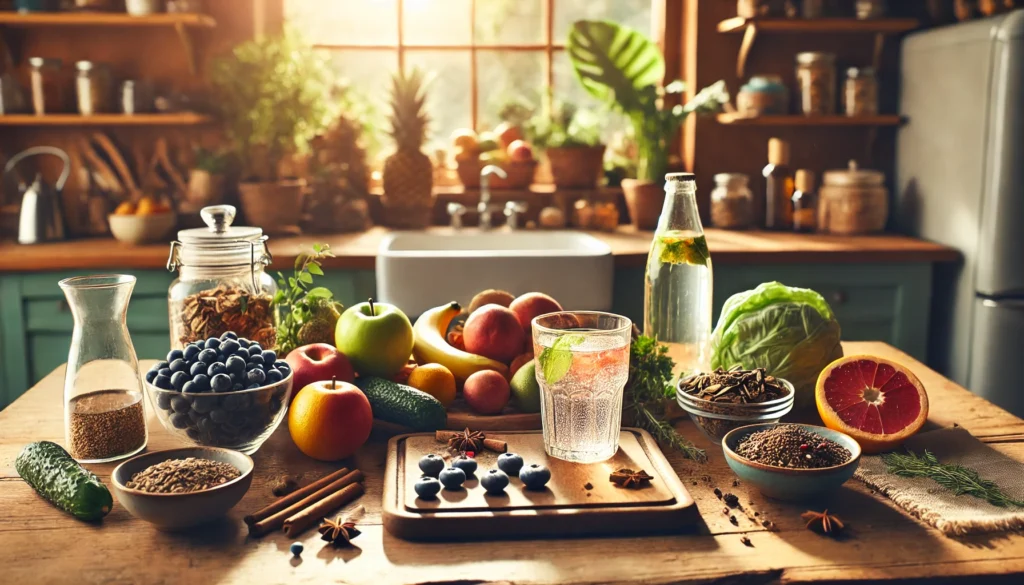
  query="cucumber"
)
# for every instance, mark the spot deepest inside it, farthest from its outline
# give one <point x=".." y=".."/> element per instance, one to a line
<point x="52" y="472"/>
<point x="403" y="405"/>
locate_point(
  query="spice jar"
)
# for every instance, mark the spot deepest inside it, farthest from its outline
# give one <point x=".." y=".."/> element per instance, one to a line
<point x="853" y="201"/>
<point x="46" y="82"/>
<point x="805" y="203"/>
<point x="816" y="81"/>
<point x="860" y="92"/>
<point x="763" y="95"/>
<point x="870" y="9"/>
<point x="92" y="87"/>
<point x="221" y="284"/>
<point x="136" y="97"/>
<point x="732" y="203"/>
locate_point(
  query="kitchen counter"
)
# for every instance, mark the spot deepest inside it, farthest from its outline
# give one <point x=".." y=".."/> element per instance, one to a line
<point x="630" y="247"/>
<point x="44" y="545"/>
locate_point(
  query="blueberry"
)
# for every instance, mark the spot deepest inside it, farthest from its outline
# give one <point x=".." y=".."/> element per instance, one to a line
<point x="279" y="364"/>
<point x="204" y="404"/>
<point x="179" y="420"/>
<point x="427" y="487"/>
<point x="242" y="353"/>
<point x="256" y="359"/>
<point x="202" y="381"/>
<point x="257" y="377"/>
<point x="255" y="349"/>
<point x="164" y="382"/>
<point x="269" y="356"/>
<point x="534" y="476"/>
<point x="190" y="388"/>
<point x="160" y="365"/>
<point x="150" y="376"/>
<point x="178" y="365"/>
<point x="452" y="478"/>
<point x="208" y="356"/>
<point x="179" y="404"/>
<point x="296" y="548"/>
<point x="220" y="383"/>
<point x="494" y="481"/>
<point x="235" y="364"/>
<point x="274" y="375"/>
<point x="212" y="343"/>
<point x="207" y="426"/>
<point x="218" y="416"/>
<point x="431" y="465"/>
<point x="164" y="372"/>
<point x="191" y="352"/>
<point x="466" y="464"/>
<point x="229" y="335"/>
<point x="252" y="366"/>
<point x="229" y="347"/>
<point x="245" y="343"/>
<point x="198" y="368"/>
<point x="510" y="463"/>
<point x="174" y="354"/>
<point x="216" y="368"/>
<point x="163" y="400"/>
<point x="253" y="387"/>
<point x="236" y="387"/>
<point x="235" y="402"/>
<point x="178" y="380"/>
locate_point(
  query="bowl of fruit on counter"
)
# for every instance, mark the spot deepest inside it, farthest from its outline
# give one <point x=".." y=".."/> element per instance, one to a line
<point x="221" y="392"/>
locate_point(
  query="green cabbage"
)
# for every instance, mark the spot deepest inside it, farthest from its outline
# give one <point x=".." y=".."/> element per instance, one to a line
<point x="790" y="332"/>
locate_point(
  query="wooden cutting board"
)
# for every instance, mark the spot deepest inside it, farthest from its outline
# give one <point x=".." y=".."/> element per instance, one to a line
<point x="470" y="513"/>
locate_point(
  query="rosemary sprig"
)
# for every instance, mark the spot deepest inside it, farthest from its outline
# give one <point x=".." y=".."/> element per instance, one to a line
<point x="956" y="478"/>
<point x="650" y="369"/>
<point x="295" y="295"/>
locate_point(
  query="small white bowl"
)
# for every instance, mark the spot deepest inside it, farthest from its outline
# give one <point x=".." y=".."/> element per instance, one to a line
<point x="142" y="229"/>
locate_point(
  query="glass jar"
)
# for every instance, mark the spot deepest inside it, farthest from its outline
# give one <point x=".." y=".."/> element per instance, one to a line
<point x="93" y="88"/>
<point x="853" y="202"/>
<point x="763" y="95"/>
<point x="221" y="284"/>
<point x="816" y="83"/>
<point x="104" y="415"/>
<point x="732" y="203"/>
<point x="870" y="9"/>
<point x="805" y="202"/>
<point x="47" y="87"/>
<point x="860" y="92"/>
<point x="812" y="8"/>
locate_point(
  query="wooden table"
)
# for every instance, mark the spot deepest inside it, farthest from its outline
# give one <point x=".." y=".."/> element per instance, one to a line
<point x="39" y="544"/>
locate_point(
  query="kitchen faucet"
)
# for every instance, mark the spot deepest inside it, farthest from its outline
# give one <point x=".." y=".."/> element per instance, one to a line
<point x="512" y="210"/>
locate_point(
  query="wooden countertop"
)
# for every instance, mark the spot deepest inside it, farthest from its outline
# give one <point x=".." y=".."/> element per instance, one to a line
<point x="44" y="545"/>
<point x="630" y="247"/>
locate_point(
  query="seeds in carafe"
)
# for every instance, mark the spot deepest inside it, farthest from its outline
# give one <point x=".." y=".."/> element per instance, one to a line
<point x="106" y="424"/>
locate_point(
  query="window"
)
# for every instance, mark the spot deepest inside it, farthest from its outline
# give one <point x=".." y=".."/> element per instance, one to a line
<point x="483" y="53"/>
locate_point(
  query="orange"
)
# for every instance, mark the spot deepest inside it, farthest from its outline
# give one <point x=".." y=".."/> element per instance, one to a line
<point x="126" y="208"/>
<point x="436" y="380"/>
<point x="330" y="420"/>
<point x="878" y="402"/>
<point x="147" y="206"/>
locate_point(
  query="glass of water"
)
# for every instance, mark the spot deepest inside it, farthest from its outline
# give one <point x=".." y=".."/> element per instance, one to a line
<point x="582" y="367"/>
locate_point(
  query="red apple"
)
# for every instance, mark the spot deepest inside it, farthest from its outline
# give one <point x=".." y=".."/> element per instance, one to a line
<point x="493" y="331"/>
<point x="531" y="305"/>
<point x="486" y="392"/>
<point x="318" y="362"/>
<point x="520" y="151"/>
<point x="507" y="134"/>
<point x="520" y="361"/>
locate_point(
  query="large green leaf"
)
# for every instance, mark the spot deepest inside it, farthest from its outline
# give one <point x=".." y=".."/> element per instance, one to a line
<point x="614" y="63"/>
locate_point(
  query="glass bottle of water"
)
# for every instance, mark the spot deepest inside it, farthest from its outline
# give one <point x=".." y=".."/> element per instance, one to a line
<point x="677" y="284"/>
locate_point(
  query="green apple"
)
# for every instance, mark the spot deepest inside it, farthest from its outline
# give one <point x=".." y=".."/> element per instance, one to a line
<point x="525" y="389"/>
<point x="376" y="338"/>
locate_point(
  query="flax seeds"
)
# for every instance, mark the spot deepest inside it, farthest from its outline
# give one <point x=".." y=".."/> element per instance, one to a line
<point x="106" y="424"/>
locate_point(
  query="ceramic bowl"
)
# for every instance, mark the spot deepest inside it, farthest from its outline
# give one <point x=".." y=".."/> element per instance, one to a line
<point x="241" y="420"/>
<point x="715" y="419"/>
<point x="179" y="511"/>
<point x="783" y="483"/>
<point x="142" y="229"/>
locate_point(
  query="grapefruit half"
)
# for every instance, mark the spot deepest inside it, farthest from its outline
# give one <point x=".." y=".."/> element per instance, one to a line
<point x="878" y="402"/>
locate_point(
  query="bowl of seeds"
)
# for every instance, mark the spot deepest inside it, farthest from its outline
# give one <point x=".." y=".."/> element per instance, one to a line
<point x="791" y="462"/>
<point x="181" y="488"/>
<point x="723" y="400"/>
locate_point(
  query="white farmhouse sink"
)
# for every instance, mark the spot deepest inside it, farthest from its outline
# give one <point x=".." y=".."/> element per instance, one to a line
<point x="420" y="270"/>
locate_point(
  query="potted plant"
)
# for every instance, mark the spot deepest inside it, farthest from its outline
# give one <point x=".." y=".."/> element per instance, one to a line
<point x="272" y="93"/>
<point x="205" y="180"/>
<point x="624" y="69"/>
<point x="571" y="139"/>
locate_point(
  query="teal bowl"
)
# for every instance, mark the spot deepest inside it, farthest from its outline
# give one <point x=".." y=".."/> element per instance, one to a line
<point x="783" y="483"/>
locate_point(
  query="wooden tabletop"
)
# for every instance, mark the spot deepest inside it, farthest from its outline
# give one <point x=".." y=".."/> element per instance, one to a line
<point x="630" y="247"/>
<point x="41" y="544"/>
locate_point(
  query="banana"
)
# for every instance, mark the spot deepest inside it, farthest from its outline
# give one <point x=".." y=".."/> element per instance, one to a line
<point x="431" y="347"/>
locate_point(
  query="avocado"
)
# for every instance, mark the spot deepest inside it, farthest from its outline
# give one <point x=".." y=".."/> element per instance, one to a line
<point x="56" y="476"/>
<point x="403" y="405"/>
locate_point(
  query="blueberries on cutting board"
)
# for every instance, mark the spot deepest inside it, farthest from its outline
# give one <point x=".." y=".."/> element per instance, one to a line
<point x="466" y="464"/>
<point x="427" y="487"/>
<point x="452" y="478"/>
<point x="510" y="463"/>
<point x="431" y="465"/>
<point x="534" y="476"/>
<point x="494" y="481"/>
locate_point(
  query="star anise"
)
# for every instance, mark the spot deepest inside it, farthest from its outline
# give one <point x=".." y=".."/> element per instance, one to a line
<point x="467" y="440"/>
<point x="628" y="478"/>
<point x="338" y="532"/>
<point x="823" y="522"/>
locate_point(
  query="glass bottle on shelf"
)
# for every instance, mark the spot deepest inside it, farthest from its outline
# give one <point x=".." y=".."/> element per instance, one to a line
<point x="779" y="187"/>
<point x="816" y="83"/>
<point x="860" y="92"/>
<point x="677" y="283"/>
<point x="104" y="416"/>
<point x="805" y="202"/>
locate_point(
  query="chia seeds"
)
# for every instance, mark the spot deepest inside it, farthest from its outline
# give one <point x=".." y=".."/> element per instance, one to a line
<point x="792" y="446"/>
<point x="106" y="424"/>
<point x="181" y="476"/>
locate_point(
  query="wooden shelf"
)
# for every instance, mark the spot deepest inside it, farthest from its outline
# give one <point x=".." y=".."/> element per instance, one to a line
<point x="738" y="120"/>
<point x="819" y="25"/>
<point x="15" y="19"/>
<point x="178" y="119"/>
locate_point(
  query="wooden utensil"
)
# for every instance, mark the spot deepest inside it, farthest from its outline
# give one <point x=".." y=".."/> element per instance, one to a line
<point x="117" y="161"/>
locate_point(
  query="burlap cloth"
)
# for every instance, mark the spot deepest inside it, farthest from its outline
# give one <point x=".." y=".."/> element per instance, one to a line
<point x="935" y="505"/>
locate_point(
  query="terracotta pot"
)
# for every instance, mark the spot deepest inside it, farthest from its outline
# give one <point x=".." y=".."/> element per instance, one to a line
<point x="574" y="168"/>
<point x="644" y="200"/>
<point x="276" y="207"/>
<point x="203" y="189"/>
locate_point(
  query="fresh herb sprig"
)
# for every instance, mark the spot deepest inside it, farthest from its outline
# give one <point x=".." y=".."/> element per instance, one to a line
<point x="650" y="372"/>
<point x="956" y="478"/>
<point x="295" y="295"/>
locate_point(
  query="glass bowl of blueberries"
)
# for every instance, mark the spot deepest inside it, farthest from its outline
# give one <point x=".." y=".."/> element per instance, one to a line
<point x="222" y="392"/>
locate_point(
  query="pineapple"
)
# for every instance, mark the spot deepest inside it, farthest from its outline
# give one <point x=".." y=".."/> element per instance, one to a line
<point x="408" y="173"/>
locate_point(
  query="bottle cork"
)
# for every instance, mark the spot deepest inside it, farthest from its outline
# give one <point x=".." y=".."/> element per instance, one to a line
<point x="778" y="152"/>
<point x="804" y="180"/>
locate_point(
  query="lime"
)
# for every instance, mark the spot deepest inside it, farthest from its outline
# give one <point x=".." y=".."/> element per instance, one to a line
<point x="525" y="389"/>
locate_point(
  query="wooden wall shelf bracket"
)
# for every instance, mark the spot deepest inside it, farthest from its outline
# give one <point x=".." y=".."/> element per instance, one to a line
<point x="749" y="36"/>
<point x="186" y="44"/>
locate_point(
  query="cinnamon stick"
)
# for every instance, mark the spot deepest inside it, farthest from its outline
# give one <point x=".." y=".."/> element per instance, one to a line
<point x="495" y="445"/>
<point x="445" y="436"/>
<point x="275" y="521"/>
<point x="295" y="496"/>
<point x="314" y="514"/>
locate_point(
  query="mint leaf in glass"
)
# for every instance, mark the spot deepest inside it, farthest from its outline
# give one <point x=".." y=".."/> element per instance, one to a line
<point x="555" y="361"/>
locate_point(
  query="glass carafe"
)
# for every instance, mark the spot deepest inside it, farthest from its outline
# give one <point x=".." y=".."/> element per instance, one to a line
<point x="104" y="416"/>
<point x="677" y="284"/>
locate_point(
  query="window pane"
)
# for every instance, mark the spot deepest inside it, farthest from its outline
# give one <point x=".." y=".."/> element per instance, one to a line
<point x="368" y="71"/>
<point x="345" y="22"/>
<point x="568" y="89"/>
<point x="509" y="22"/>
<point x="632" y="13"/>
<point x="448" y="95"/>
<point x="504" y="76"/>
<point x="436" y="22"/>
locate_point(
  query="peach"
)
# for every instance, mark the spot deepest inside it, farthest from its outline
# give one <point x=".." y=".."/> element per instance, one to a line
<point x="486" y="392"/>
<point x="494" y="331"/>
<point x="531" y="305"/>
<point x="520" y="361"/>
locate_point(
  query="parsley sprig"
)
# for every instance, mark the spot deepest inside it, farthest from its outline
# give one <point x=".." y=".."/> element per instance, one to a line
<point x="296" y="295"/>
